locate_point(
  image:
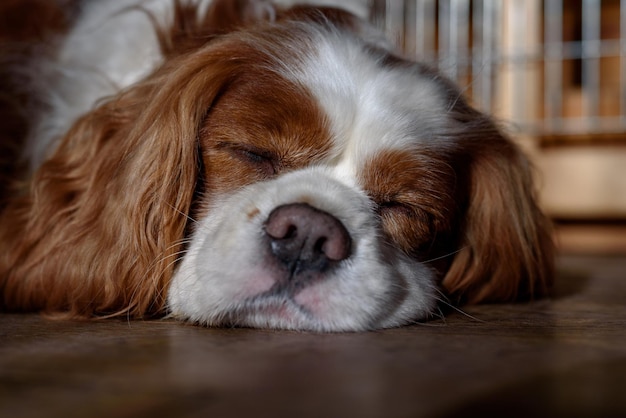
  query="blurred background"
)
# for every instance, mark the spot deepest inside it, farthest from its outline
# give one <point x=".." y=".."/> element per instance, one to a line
<point x="554" y="73"/>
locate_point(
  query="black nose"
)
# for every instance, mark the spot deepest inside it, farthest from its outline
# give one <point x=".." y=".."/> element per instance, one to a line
<point x="304" y="238"/>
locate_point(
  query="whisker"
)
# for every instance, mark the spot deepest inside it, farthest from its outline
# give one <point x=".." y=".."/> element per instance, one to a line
<point x="445" y="255"/>
<point x="443" y="300"/>
<point x="155" y="264"/>
<point x="183" y="213"/>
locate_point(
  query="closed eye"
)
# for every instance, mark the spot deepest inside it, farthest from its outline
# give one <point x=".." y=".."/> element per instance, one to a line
<point x="395" y="208"/>
<point x="263" y="161"/>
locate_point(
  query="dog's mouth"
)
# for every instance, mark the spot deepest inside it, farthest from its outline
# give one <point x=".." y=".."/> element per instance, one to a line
<point x="269" y="310"/>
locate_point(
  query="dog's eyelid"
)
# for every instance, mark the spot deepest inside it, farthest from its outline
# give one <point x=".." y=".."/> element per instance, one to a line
<point x="265" y="160"/>
<point x="395" y="206"/>
<point x="240" y="146"/>
<point x="253" y="155"/>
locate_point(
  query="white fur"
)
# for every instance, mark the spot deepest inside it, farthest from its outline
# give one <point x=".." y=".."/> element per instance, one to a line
<point x="112" y="46"/>
<point x="369" y="108"/>
<point x="227" y="268"/>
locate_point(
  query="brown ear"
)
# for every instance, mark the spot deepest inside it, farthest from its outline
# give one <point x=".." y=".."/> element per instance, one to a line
<point x="506" y="250"/>
<point x="102" y="226"/>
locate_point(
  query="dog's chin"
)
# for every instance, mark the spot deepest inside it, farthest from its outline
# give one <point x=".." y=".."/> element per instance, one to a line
<point x="287" y="313"/>
<point x="281" y="312"/>
<point x="229" y="276"/>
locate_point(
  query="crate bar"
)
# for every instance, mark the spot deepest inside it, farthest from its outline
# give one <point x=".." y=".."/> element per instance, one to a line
<point x="394" y="22"/>
<point x="376" y="12"/>
<point x="517" y="59"/>
<point x="485" y="18"/>
<point x="497" y="52"/>
<point x="591" y="47"/>
<point x="425" y="47"/>
<point x="409" y="46"/>
<point x="459" y="34"/>
<point x="444" y="38"/>
<point x="478" y="54"/>
<point x="553" y="64"/>
<point x="622" y="78"/>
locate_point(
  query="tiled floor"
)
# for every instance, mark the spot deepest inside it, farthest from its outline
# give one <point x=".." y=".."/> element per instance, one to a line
<point x="563" y="357"/>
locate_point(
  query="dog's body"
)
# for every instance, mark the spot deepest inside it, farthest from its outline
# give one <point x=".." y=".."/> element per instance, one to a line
<point x="261" y="166"/>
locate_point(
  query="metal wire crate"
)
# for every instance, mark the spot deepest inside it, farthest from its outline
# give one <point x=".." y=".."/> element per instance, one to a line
<point x="552" y="67"/>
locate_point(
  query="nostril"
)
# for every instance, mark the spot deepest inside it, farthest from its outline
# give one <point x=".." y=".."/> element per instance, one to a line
<point x="338" y="248"/>
<point x="305" y="238"/>
<point x="280" y="228"/>
<point x="319" y="244"/>
<point x="334" y="240"/>
<point x="292" y="231"/>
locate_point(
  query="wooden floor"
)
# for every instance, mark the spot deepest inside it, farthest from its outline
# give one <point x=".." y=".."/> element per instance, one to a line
<point x="564" y="357"/>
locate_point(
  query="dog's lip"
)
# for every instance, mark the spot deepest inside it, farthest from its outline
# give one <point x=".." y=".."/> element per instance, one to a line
<point x="278" y="306"/>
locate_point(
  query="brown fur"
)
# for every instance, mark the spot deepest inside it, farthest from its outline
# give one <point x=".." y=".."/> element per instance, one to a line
<point x="99" y="231"/>
<point x="414" y="192"/>
<point x="264" y="114"/>
<point x="470" y="209"/>
<point x="506" y="250"/>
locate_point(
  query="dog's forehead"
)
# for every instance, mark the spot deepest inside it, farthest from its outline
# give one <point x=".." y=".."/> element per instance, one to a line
<point x="370" y="106"/>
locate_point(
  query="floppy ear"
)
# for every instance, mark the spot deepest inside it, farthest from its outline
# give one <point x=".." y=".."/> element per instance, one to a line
<point x="506" y="249"/>
<point x="102" y="225"/>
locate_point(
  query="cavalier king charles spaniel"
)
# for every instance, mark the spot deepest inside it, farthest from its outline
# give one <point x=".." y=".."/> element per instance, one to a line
<point x="243" y="163"/>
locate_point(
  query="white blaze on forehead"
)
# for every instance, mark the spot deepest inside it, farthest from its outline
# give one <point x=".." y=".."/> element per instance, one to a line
<point x="369" y="106"/>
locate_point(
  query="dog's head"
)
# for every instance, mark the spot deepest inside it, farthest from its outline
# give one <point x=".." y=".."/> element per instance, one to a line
<point x="286" y="170"/>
